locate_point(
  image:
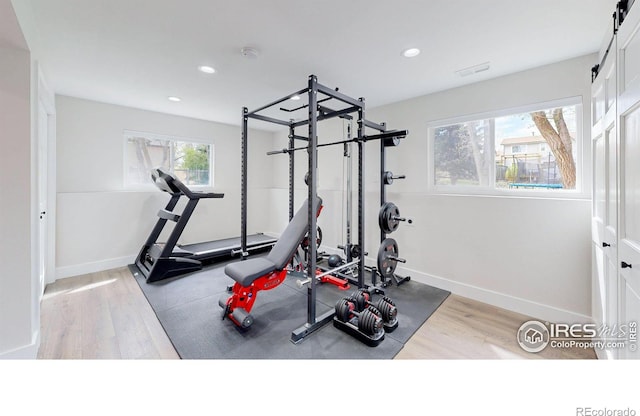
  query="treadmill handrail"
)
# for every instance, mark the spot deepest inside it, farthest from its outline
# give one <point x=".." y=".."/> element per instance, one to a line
<point x="173" y="182"/>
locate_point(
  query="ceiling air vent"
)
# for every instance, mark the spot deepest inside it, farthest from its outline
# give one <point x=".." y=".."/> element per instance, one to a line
<point x="473" y="69"/>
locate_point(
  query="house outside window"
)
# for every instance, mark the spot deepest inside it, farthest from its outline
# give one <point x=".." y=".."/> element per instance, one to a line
<point x="510" y="150"/>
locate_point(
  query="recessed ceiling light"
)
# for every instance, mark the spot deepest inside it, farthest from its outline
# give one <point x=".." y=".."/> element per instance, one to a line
<point x="411" y="52"/>
<point x="174" y="99"/>
<point x="295" y="98"/>
<point x="206" y="69"/>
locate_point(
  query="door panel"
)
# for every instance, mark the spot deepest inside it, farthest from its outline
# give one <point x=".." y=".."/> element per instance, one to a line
<point x="611" y="222"/>
<point x="43" y="131"/>
<point x="599" y="189"/>
<point x="631" y="175"/>
<point x="629" y="250"/>
<point x="628" y="103"/>
<point x="598" y="208"/>
<point x="605" y="210"/>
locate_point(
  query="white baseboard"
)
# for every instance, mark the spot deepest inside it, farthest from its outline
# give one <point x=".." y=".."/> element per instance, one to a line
<point x="25" y="352"/>
<point x="97" y="266"/>
<point x="523" y="306"/>
<point x="107" y="264"/>
<point x="527" y="307"/>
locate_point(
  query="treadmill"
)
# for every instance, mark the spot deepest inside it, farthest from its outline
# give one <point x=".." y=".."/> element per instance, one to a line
<point x="158" y="261"/>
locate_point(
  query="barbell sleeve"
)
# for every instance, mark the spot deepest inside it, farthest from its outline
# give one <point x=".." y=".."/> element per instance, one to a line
<point x="276" y="152"/>
<point x="398" y="259"/>
<point x="301" y="283"/>
<point x="396" y="218"/>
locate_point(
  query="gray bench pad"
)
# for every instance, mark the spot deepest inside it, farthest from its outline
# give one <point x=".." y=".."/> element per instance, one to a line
<point x="245" y="272"/>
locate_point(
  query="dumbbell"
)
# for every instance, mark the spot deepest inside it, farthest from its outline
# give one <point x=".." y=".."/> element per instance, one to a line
<point x="388" y="177"/>
<point x="370" y="320"/>
<point x="388" y="309"/>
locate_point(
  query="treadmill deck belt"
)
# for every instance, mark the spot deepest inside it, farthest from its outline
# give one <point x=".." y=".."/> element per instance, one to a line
<point x="225" y="246"/>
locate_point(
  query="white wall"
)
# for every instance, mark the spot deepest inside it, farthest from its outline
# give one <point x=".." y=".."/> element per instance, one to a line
<point x="101" y="224"/>
<point x="531" y="255"/>
<point x="16" y="325"/>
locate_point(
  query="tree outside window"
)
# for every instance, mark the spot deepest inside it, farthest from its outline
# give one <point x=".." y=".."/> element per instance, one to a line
<point x="190" y="161"/>
<point x="532" y="150"/>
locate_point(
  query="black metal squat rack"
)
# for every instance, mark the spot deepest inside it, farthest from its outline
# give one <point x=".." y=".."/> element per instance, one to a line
<point x="318" y="96"/>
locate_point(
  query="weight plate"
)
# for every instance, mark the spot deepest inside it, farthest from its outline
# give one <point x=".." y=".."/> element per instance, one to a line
<point x="387" y="253"/>
<point x="305" y="241"/>
<point x="387" y="217"/>
<point x="366" y="322"/>
<point x="342" y="310"/>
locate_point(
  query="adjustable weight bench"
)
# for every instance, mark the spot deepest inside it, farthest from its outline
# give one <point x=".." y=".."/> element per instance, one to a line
<point x="264" y="273"/>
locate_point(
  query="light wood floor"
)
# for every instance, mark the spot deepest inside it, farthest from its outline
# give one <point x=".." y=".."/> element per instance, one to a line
<point x="105" y="315"/>
<point x="100" y="315"/>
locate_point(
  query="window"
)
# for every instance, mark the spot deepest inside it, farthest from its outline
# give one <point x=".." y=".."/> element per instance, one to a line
<point x="530" y="148"/>
<point x="190" y="160"/>
<point x="516" y="148"/>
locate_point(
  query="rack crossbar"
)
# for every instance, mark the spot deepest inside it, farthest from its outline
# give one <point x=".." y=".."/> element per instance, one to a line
<point x="288" y="97"/>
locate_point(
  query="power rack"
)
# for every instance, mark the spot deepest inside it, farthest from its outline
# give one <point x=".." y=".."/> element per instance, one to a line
<point x="318" y="97"/>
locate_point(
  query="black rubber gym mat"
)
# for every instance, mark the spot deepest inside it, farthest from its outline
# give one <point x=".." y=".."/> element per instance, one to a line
<point x="187" y="307"/>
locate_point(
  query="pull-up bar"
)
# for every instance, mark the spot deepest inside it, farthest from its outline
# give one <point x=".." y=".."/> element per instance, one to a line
<point x="392" y="135"/>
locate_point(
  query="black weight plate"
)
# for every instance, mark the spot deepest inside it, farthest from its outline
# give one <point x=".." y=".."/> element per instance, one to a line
<point x="386" y="265"/>
<point x="366" y="322"/>
<point x="394" y="213"/>
<point x="342" y="310"/>
<point x="305" y="241"/>
<point x="387" y="217"/>
<point x="383" y="216"/>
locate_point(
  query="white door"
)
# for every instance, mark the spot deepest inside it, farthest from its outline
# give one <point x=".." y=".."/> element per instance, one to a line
<point x="43" y="134"/>
<point x="629" y="206"/>
<point x="604" y="220"/>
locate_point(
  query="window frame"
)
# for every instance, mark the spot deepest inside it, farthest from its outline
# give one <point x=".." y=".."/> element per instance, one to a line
<point x="127" y="134"/>
<point x="476" y="190"/>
